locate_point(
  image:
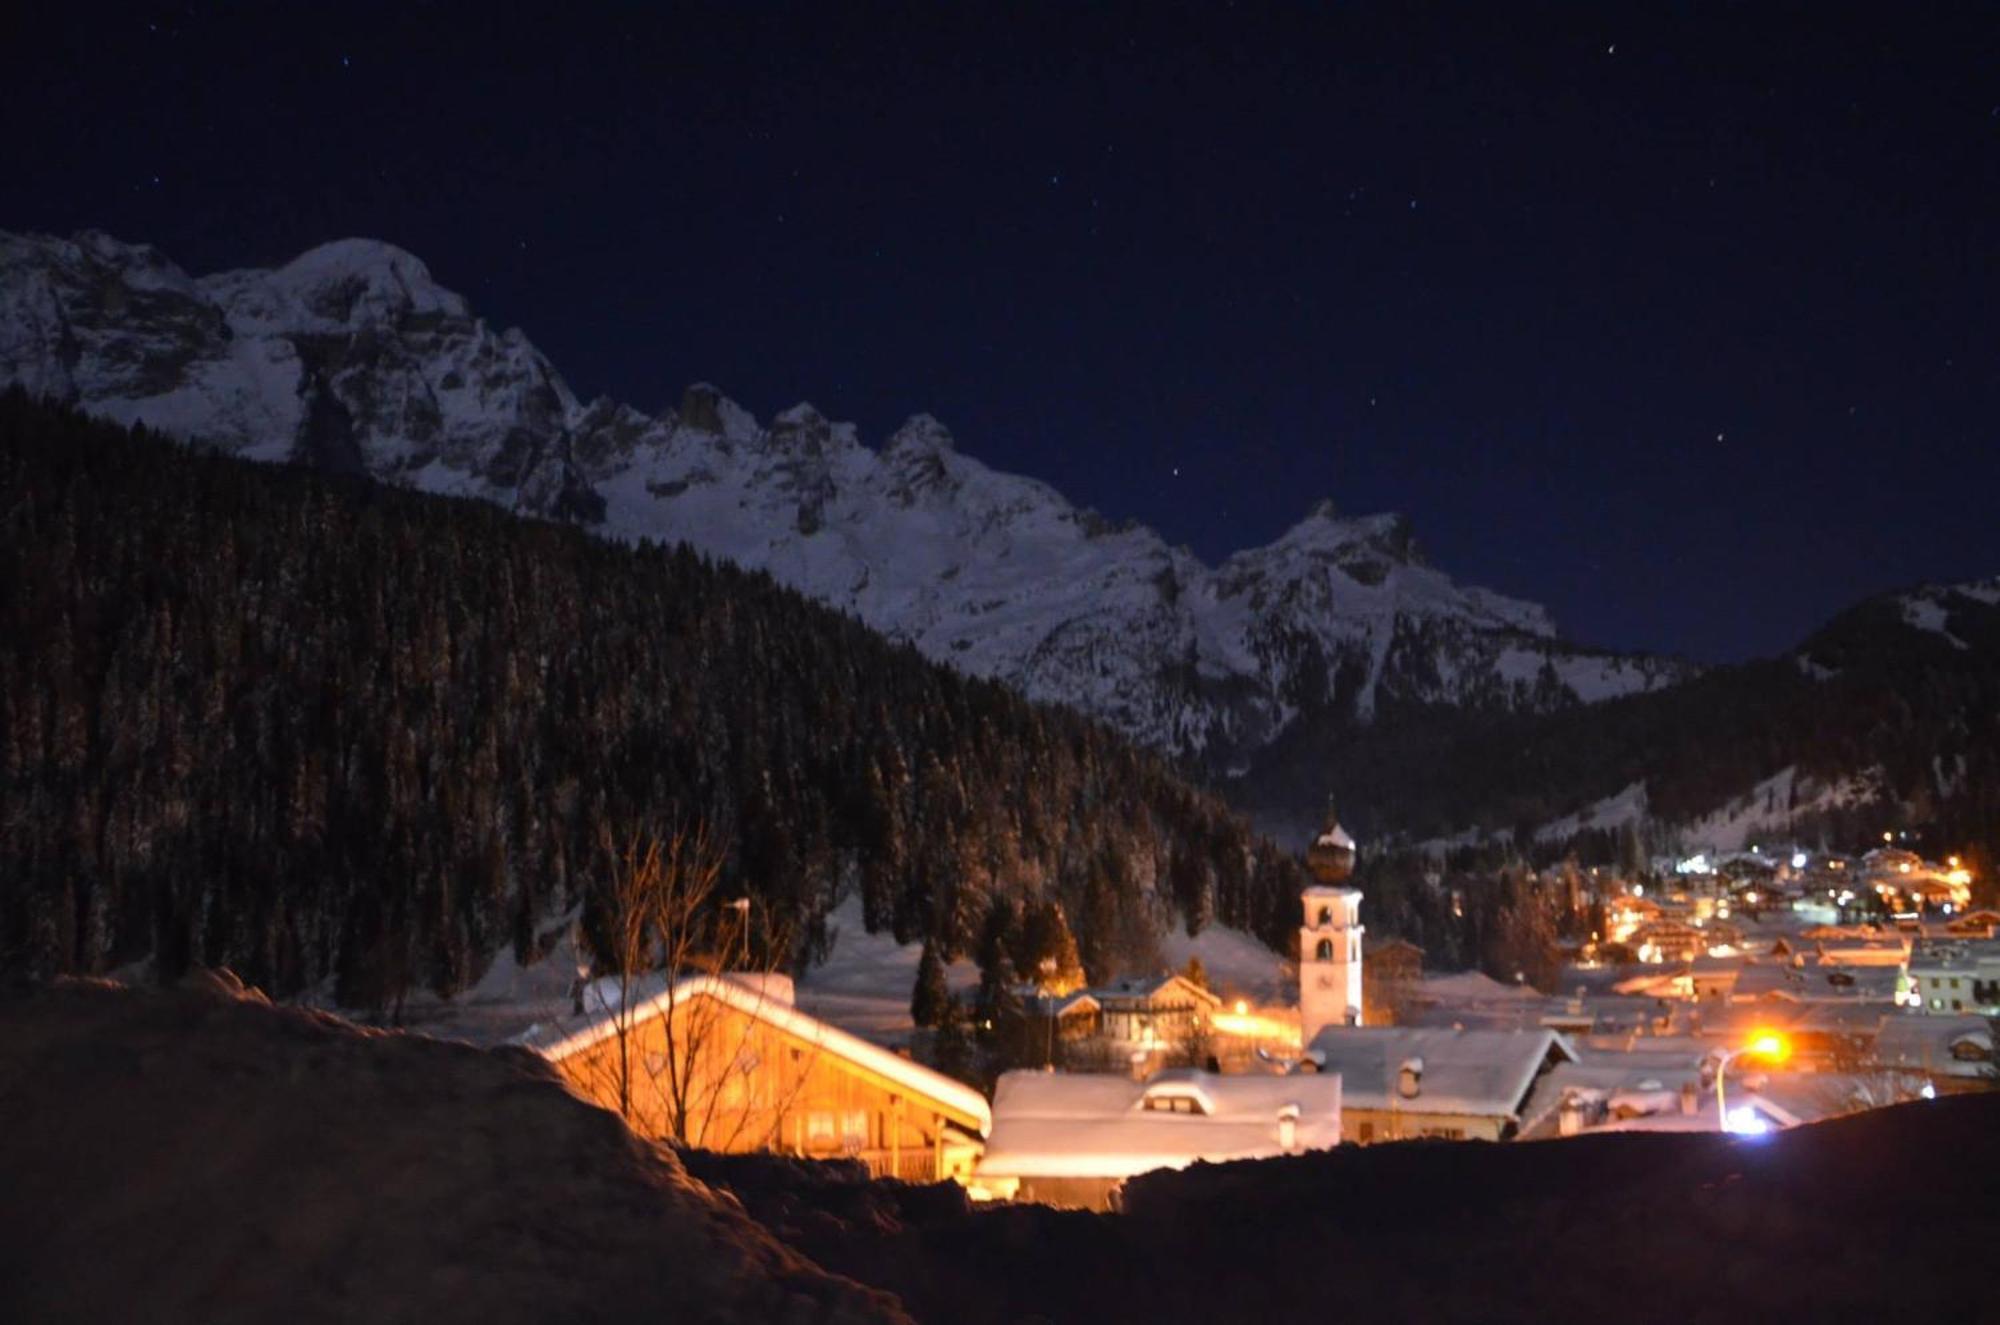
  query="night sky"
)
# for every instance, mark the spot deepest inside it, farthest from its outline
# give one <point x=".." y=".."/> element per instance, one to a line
<point x="1686" y="324"/>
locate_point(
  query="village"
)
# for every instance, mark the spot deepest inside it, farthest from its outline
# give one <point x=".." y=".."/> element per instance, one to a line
<point x="1748" y="993"/>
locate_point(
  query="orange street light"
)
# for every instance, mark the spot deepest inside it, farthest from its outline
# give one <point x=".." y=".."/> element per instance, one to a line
<point x="1769" y="1045"/>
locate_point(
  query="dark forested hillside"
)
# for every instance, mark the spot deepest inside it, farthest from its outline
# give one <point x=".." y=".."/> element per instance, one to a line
<point x="309" y="727"/>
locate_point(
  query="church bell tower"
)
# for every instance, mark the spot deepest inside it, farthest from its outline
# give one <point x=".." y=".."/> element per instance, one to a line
<point x="1330" y="939"/>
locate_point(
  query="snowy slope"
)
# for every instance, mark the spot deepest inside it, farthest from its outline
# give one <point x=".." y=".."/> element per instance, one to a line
<point x="352" y="358"/>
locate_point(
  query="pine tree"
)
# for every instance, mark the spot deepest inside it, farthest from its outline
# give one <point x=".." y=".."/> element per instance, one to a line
<point x="951" y="1046"/>
<point x="931" y="993"/>
<point x="1046" y="953"/>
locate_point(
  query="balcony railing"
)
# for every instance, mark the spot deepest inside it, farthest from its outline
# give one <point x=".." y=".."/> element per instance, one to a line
<point x="915" y="1164"/>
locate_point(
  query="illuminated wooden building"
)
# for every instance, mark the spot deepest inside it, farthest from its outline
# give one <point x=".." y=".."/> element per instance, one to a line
<point x="728" y="1063"/>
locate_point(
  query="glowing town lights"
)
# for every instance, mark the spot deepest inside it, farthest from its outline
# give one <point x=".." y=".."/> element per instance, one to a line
<point x="1951" y="861"/>
<point x="1887" y="838"/>
<point x="1744" y="1121"/>
<point x="1256" y="1026"/>
<point x="1799" y="859"/>
<point x="1241" y="1007"/>
<point x="1769" y="1045"/>
<point x="1903" y="868"/>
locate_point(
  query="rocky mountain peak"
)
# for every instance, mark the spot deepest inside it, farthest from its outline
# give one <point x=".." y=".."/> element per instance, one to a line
<point x="705" y="409"/>
<point x="920" y="433"/>
<point x="351" y="356"/>
<point x="344" y="285"/>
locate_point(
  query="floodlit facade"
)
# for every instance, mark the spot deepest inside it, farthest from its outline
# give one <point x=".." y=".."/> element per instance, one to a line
<point x="1954" y="976"/>
<point x="727" y="1063"/>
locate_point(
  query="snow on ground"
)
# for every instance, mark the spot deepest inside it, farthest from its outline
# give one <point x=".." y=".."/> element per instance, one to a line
<point x="864" y="985"/>
<point x="1627" y="806"/>
<point x="1238" y="965"/>
<point x="269" y="1164"/>
<point x="1770" y="808"/>
<point x="1928" y="614"/>
<point x="506" y="1000"/>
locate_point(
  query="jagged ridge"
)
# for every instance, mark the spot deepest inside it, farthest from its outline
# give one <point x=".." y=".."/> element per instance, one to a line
<point x="352" y="358"/>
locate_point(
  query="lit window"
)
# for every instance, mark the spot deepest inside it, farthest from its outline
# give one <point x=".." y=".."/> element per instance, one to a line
<point x="819" y="1128"/>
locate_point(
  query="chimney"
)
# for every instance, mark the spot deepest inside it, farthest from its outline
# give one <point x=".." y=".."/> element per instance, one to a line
<point x="1690" y="1098"/>
<point x="1410" y="1078"/>
<point x="1570" y="1120"/>
<point x="1288" y="1129"/>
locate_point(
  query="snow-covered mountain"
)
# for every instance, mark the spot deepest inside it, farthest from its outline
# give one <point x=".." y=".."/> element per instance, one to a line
<point x="352" y="358"/>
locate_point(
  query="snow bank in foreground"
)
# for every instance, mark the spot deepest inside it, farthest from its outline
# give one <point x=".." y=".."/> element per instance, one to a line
<point x="248" y="1163"/>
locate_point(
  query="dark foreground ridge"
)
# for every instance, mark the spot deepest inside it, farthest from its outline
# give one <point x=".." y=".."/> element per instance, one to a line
<point x="197" y="1155"/>
<point x="1881" y="1216"/>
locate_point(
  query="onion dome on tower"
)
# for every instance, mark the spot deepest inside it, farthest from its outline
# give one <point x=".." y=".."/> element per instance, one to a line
<point x="1331" y="856"/>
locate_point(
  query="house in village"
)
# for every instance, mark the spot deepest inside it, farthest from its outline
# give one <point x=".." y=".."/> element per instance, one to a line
<point x="1392" y="976"/>
<point x="1399" y="1082"/>
<point x="1142" y="1020"/>
<point x="1954" y="975"/>
<point x="1133" y="1025"/>
<point x="728" y="1063"/>
<point x="1074" y="1139"/>
<point x="1065" y="1019"/>
<point x="1658" y="1092"/>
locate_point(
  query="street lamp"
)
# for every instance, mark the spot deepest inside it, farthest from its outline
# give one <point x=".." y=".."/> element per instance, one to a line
<point x="1765" y="1044"/>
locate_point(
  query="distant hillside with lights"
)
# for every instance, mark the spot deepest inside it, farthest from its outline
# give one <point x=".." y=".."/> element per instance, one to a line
<point x="1887" y="718"/>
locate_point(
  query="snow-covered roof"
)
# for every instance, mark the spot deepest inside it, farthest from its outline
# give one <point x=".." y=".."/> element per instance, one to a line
<point x="1059" y="1005"/>
<point x="1077" y="1125"/>
<point x="1922" y="1042"/>
<point x="653" y="997"/>
<point x="1704" y="1118"/>
<point x="1482" y="1073"/>
<point x="1335" y="836"/>
<point x="1473" y="987"/>
<point x="1149" y="988"/>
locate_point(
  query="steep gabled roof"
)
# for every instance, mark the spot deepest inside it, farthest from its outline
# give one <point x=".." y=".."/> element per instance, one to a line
<point x="1149" y="988"/>
<point x="653" y="997"/>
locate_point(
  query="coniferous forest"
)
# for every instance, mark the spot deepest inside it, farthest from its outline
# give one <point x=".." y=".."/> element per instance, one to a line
<point x="319" y="731"/>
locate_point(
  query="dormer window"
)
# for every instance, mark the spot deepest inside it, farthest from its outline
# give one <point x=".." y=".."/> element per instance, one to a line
<point x="1173" y="1104"/>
